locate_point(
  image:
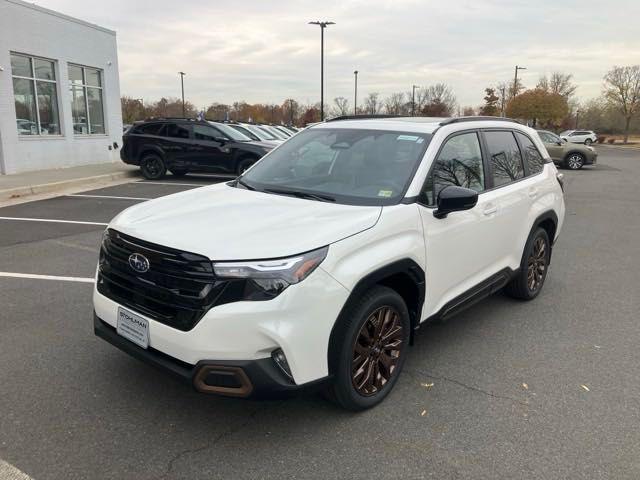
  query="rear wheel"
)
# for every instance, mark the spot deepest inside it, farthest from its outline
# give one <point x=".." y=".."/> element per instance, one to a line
<point x="575" y="161"/>
<point x="533" y="267"/>
<point x="372" y="348"/>
<point x="588" y="141"/>
<point x="153" y="166"/>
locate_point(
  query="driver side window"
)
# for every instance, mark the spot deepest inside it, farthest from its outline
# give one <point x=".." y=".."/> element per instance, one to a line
<point x="459" y="163"/>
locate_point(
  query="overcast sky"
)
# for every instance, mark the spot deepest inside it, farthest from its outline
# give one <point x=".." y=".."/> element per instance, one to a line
<point x="264" y="51"/>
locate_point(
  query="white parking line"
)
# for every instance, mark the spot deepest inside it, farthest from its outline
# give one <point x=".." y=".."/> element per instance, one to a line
<point x="47" y="277"/>
<point x="51" y="220"/>
<point x="9" y="472"/>
<point x="145" y="182"/>
<point x="108" y="196"/>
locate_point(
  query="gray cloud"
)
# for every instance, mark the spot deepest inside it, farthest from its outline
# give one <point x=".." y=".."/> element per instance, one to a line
<point x="263" y="51"/>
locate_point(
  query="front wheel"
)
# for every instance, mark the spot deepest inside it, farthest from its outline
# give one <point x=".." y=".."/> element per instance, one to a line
<point x="533" y="267"/>
<point x="371" y="349"/>
<point x="575" y="161"/>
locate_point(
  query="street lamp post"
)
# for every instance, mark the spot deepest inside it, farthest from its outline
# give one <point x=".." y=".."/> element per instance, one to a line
<point x="577" y="117"/>
<point x="515" y="80"/>
<point x="355" y="93"/>
<point x="322" y="26"/>
<point x="182" y="74"/>
<point x="413" y="100"/>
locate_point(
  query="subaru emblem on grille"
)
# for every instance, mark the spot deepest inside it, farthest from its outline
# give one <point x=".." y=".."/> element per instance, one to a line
<point x="139" y="262"/>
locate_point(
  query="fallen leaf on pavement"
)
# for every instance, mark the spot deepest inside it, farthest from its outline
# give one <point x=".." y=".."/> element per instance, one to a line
<point x="525" y="386"/>
<point x="427" y="385"/>
<point x="585" y="388"/>
<point x="424" y="412"/>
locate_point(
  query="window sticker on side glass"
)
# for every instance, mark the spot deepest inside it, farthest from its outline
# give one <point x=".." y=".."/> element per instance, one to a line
<point x="410" y="138"/>
<point x="385" y="193"/>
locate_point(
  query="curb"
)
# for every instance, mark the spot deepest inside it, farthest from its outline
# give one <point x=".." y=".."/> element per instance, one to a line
<point x="20" y="192"/>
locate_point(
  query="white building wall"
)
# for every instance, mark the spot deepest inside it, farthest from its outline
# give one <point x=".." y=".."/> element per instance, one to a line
<point x="32" y="30"/>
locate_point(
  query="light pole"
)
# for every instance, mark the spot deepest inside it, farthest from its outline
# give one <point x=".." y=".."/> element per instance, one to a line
<point x="355" y="93"/>
<point x="291" y="110"/>
<point x="322" y="26"/>
<point x="515" y="80"/>
<point x="577" y="117"/>
<point x="413" y="100"/>
<point x="182" y="74"/>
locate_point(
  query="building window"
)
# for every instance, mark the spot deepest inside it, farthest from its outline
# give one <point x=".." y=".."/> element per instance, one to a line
<point x="36" y="95"/>
<point x="85" y="85"/>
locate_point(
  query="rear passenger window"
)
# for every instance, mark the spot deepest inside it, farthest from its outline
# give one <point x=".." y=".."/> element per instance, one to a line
<point x="177" y="131"/>
<point x="532" y="156"/>
<point x="150" y="129"/>
<point x="506" y="161"/>
<point x="459" y="163"/>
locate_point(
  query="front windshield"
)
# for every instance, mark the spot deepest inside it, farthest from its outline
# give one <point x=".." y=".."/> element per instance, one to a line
<point x="246" y="132"/>
<point x="232" y="133"/>
<point x="259" y="132"/>
<point x="351" y="166"/>
<point x="275" y="132"/>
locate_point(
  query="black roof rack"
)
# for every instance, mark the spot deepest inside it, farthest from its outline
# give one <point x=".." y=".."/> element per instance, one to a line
<point x="440" y="120"/>
<point x="475" y="119"/>
<point x="150" y="119"/>
<point x="361" y="117"/>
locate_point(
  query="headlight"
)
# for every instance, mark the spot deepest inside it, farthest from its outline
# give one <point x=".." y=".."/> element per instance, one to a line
<point x="265" y="279"/>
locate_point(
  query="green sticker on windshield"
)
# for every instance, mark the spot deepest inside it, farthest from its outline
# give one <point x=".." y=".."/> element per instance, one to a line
<point x="385" y="193"/>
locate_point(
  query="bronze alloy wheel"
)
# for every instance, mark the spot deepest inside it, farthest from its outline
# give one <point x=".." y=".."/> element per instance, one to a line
<point x="377" y="350"/>
<point x="537" y="264"/>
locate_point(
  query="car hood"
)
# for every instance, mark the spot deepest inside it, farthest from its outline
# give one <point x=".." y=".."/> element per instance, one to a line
<point x="228" y="223"/>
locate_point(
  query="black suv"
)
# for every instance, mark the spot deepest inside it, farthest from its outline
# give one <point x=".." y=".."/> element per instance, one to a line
<point x="183" y="145"/>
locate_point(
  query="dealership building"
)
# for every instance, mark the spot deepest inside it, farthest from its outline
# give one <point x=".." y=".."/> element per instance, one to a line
<point x="59" y="90"/>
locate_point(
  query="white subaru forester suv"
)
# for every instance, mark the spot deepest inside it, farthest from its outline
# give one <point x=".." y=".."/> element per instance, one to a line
<point x="314" y="268"/>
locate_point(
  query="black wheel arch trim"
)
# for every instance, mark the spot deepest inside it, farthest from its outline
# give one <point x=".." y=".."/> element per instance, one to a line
<point x="548" y="215"/>
<point x="406" y="267"/>
<point x="147" y="149"/>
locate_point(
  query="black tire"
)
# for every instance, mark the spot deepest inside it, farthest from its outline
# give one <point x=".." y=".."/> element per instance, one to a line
<point x="178" y="173"/>
<point x="366" y="368"/>
<point x="244" y="164"/>
<point x="574" y="161"/>
<point x="533" y="268"/>
<point x="588" y="141"/>
<point x="153" y="167"/>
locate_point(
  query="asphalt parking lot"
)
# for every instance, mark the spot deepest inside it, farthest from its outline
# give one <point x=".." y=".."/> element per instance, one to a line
<point x="546" y="389"/>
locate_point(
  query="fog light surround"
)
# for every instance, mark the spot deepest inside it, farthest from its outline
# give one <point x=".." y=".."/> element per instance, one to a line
<point x="280" y="360"/>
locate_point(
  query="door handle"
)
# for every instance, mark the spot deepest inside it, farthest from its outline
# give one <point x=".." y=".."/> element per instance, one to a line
<point x="533" y="192"/>
<point x="490" y="210"/>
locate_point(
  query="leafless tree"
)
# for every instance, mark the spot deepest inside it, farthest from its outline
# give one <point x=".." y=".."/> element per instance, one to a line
<point x="502" y="90"/>
<point x="372" y="103"/>
<point x="394" y="104"/>
<point x="440" y="101"/>
<point x="622" y="90"/>
<point x="559" y="83"/>
<point x="341" y="106"/>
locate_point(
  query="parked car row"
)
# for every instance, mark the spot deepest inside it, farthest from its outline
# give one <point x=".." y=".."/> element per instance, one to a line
<point x="182" y="145"/>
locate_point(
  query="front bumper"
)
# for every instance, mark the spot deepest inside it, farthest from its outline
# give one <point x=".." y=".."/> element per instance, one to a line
<point x="298" y="321"/>
<point x="235" y="378"/>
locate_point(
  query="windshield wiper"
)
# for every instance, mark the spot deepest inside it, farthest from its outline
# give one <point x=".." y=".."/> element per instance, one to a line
<point x="244" y="184"/>
<point x="297" y="193"/>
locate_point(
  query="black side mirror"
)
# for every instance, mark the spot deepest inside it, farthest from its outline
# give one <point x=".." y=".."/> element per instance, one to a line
<point x="559" y="143"/>
<point x="222" y="140"/>
<point x="455" y="199"/>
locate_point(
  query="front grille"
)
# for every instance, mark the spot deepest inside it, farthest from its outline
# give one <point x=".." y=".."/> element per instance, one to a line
<point x="177" y="290"/>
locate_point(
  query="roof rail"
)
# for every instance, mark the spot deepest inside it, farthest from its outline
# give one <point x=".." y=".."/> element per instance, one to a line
<point x="449" y="121"/>
<point x="171" y="118"/>
<point x="362" y="117"/>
